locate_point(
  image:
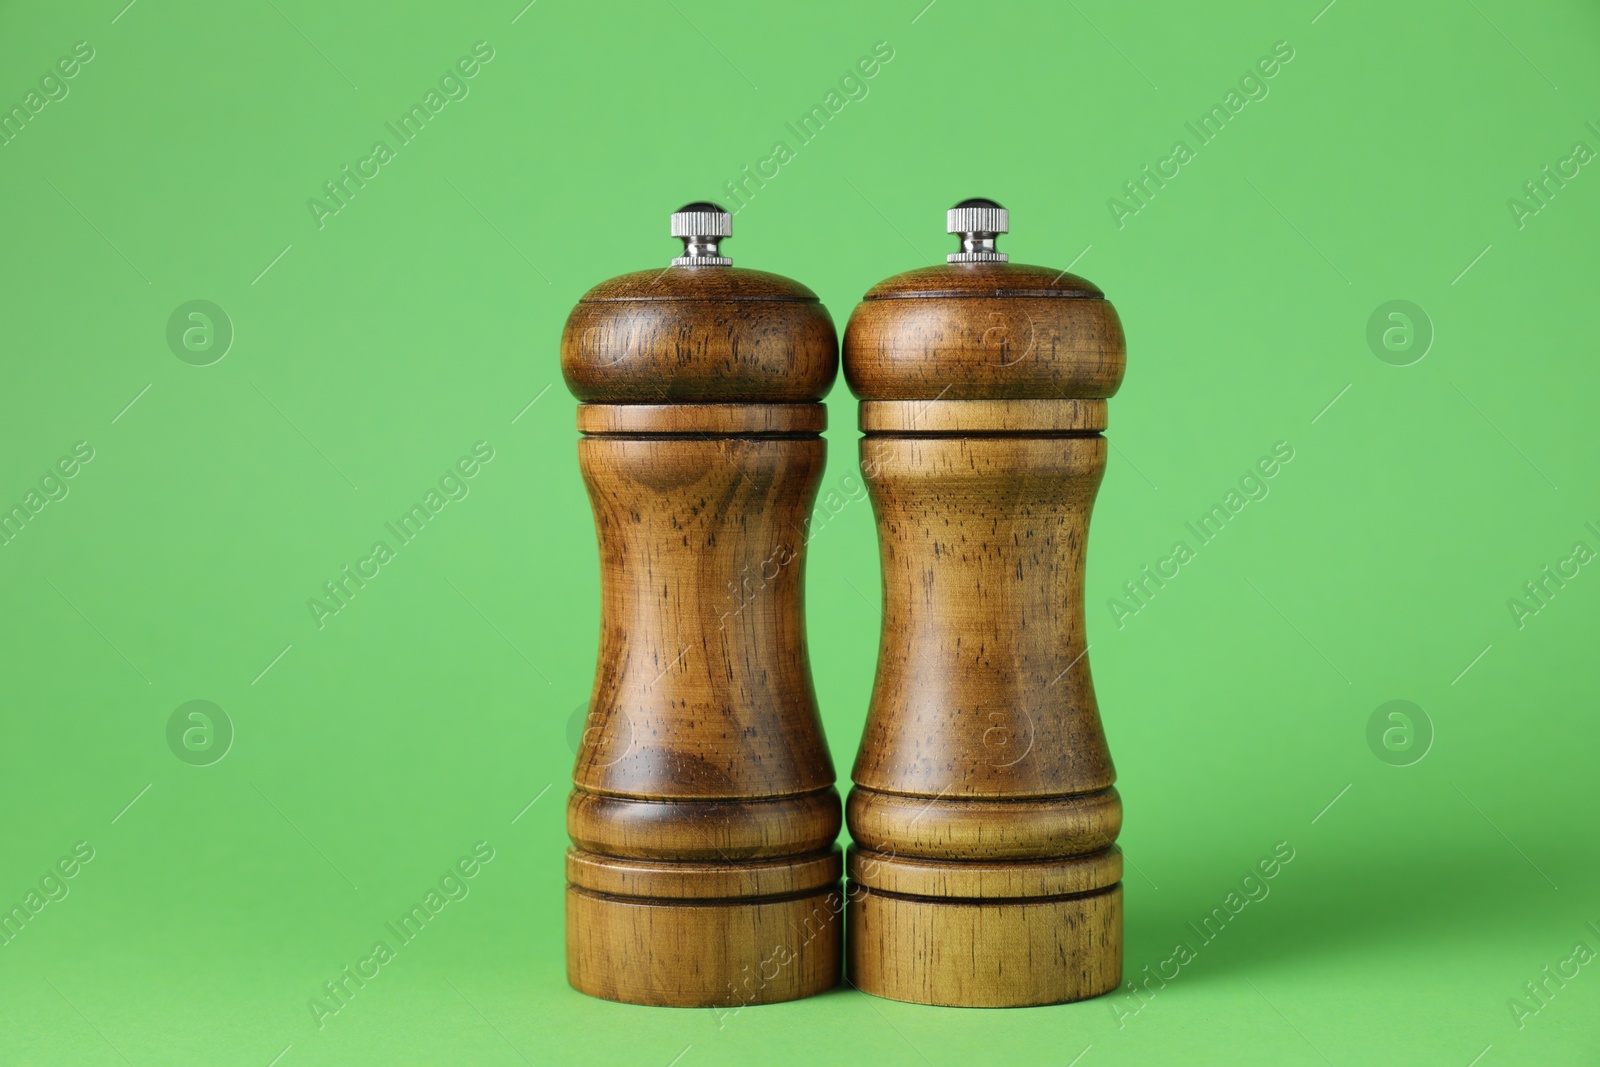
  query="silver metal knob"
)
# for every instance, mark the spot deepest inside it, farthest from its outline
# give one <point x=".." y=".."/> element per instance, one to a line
<point x="702" y="226"/>
<point x="978" y="222"/>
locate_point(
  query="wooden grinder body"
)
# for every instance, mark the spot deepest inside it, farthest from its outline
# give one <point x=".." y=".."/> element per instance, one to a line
<point x="704" y="869"/>
<point x="984" y="870"/>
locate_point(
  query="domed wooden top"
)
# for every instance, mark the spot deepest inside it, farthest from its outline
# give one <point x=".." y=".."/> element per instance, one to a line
<point x="699" y="334"/>
<point x="984" y="331"/>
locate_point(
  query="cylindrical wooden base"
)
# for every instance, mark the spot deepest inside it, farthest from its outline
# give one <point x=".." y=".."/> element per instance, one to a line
<point x="985" y="953"/>
<point x="1000" y="933"/>
<point x="703" y="953"/>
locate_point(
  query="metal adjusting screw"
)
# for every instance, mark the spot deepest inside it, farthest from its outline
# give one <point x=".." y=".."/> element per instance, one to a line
<point x="701" y="225"/>
<point x="978" y="222"/>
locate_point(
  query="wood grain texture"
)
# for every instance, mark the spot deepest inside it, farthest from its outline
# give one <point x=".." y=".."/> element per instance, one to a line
<point x="986" y="954"/>
<point x="717" y="334"/>
<point x="961" y="826"/>
<point x="715" y="880"/>
<point x="702" y="420"/>
<point x="704" y="869"/>
<point x="745" y="828"/>
<point x="982" y="416"/>
<point x="968" y="879"/>
<point x="693" y="954"/>
<point x="1000" y="331"/>
<point x="984" y="872"/>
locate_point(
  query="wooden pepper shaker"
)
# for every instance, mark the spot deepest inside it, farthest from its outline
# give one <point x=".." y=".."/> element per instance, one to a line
<point x="984" y="871"/>
<point x="704" y="869"/>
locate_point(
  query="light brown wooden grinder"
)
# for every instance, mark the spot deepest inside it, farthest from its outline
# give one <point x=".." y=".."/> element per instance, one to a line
<point x="984" y="871"/>
<point x="704" y="869"/>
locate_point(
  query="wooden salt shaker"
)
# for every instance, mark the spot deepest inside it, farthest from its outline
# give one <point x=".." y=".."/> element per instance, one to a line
<point x="704" y="869"/>
<point x="984" y="871"/>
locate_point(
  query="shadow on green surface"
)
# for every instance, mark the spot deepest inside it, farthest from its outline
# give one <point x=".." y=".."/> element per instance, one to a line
<point x="1388" y="902"/>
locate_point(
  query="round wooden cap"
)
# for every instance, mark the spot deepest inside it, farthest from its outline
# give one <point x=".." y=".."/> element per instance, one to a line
<point x="699" y="334"/>
<point x="984" y="331"/>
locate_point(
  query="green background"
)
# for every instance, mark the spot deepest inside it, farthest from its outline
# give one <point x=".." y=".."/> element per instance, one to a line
<point x="371" y="353"/>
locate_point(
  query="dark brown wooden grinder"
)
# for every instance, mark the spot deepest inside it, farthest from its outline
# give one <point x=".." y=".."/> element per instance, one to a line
<point x="704" y="869"/>
<point x="984" y="871"/>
